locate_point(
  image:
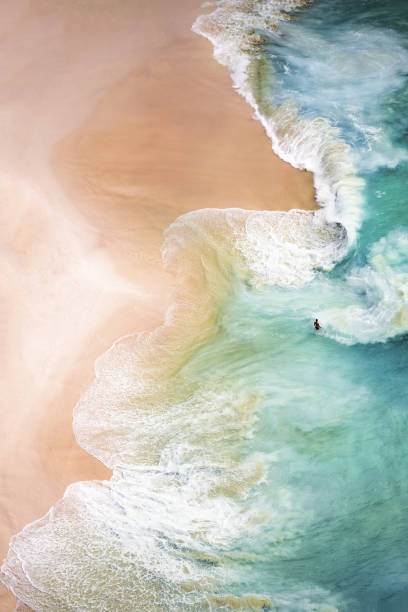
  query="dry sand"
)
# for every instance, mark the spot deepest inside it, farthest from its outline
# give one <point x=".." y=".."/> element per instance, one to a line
<point x="115" y="120"/>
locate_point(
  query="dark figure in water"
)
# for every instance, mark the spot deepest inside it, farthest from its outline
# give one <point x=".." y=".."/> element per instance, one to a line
<point x="316" y="324"/>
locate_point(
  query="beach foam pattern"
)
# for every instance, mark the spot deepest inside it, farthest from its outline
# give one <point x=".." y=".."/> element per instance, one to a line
<point x="174" y="435"/>
<point x="381" y="311"/>
<point x="243" y="478"/>
<point x="238" y="29"/>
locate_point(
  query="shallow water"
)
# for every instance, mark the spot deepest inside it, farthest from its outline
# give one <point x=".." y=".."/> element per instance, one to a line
<point x="258" y="463"/>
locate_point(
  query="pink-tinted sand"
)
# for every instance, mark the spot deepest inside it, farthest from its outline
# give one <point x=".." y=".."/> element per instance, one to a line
<point x="115" y="120"/>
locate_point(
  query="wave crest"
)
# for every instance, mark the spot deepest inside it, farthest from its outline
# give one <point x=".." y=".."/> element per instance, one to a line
<point x="238" y="30"/>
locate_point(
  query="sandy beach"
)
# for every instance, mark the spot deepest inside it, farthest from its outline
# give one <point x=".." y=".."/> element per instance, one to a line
<point x="106" y="139"/>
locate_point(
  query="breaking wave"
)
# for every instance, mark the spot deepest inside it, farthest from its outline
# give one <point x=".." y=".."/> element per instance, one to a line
<point x="251" y="457"/>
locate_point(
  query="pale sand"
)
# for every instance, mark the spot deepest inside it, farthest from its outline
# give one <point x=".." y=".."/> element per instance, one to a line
<point x="148" y="127"/>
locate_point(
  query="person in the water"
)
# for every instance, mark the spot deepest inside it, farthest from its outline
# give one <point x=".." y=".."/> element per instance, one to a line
<point x="317" y="324"/>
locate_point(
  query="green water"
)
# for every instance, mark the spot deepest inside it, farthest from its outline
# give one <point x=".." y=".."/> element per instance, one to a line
<point x="260" y="464"/>
<point x="331" y="430"/>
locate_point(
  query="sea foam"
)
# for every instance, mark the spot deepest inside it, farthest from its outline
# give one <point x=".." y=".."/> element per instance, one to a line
<point x="377" y="295"/>
<point x="238" y="30"/>
<point x="172" y="425"/>
<point x="173" y="429"/>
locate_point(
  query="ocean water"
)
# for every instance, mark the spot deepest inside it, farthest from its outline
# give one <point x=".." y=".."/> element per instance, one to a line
<point x="258" y="464"/>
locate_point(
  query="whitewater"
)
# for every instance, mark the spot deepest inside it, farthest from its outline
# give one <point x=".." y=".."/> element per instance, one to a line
<point x="257" y="464"/>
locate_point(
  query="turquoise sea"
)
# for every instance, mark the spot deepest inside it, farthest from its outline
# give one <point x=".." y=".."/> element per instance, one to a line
<point x="259" y="464"/>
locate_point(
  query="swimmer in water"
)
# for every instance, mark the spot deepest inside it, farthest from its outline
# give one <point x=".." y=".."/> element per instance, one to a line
<point x="316" y="324"/>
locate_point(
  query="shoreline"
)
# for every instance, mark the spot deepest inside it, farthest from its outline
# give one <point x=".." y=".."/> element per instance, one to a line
<point x="144" y="156"/>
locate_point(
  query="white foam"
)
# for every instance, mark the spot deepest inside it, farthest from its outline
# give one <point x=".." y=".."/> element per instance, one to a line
<point x="174" y="444"/>
<point x="172" y="437"/>
<point x="260" y="247"/>
<point x="377" y="295"/>
<point x="286" y="248"/>
<point x="312" y="144"/>
<point x="352" y="76"/>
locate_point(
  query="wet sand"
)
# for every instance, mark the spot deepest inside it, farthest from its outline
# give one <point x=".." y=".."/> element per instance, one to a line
<point x="107" y="138"/>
